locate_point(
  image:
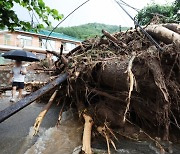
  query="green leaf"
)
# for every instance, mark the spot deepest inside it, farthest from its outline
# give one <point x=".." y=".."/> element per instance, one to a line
<point x="9" y="18"/>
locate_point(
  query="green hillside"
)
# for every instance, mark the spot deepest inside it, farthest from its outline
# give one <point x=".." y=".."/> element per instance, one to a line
<point x="88" y="30"/>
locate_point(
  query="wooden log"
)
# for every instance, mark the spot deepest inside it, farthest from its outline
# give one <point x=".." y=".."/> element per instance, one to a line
<point x="11" y="110"/>
<point x="172" y="26"/>
<point x="163" y="34"/>
<point x="113" y="39"/>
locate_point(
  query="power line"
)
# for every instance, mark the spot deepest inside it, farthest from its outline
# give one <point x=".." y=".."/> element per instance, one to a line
<point x="124" y="3"/>
<point x="66" y="18"/>
<point x="59" y="22"/>
<point x="138" y="10"/>
<point x="149" y="36"/>
<point x="124" y="19"/>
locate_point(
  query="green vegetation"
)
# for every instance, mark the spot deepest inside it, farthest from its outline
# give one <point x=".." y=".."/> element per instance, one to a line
<point x="10" y="20"/>
<point x="88" y="30"/>
<point x="168" y="13"/>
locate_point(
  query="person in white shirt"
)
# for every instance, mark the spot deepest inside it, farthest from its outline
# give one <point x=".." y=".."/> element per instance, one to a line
<point x="17" y="77"/>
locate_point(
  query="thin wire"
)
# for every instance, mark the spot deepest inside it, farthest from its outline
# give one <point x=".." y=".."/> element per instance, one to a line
<point x="138" y="10"/>
<point x="66" y="18"/>
<point x="45" y="44"/>
<point x="149" y="36"/>
<point x="124" y="3"/>
<point x="124" y="19"/>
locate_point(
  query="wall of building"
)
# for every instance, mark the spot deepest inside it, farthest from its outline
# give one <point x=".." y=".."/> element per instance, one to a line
<point x="12" y="41"/>
<point x="15" y="41"/>
<point x="58" y="45"/>
<point x="1" y="39"/>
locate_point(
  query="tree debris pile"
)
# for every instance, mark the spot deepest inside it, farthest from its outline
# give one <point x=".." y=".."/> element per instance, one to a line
<point x="121" y="85"/>
<point x="123" y="81"/>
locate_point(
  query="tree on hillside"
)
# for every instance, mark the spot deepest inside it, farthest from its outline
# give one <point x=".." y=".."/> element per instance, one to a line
<point x="167" y="13"/>
<point x="10" y="20"/>
<point x="88" y="30"/>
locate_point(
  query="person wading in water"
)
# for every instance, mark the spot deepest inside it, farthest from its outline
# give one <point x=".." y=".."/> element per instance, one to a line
<point x="17" y="77"/>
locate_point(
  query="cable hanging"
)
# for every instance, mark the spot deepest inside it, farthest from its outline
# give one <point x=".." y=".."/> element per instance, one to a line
<point x="66" y="18"/>
<point x="137" y="24"/>
<point x="138" y="10"/>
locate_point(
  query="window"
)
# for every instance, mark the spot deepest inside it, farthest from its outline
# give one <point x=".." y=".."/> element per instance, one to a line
<point x="7" y="39"/>
<point x="49" y="44"/>
<point x="25" y="40"/>
<point x="69" y="46"/>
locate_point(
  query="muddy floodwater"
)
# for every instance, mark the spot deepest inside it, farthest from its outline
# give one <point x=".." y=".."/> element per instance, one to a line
<point x="16" y="134"/>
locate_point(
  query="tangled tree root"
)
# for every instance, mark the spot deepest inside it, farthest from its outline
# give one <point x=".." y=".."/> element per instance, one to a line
<point x="43" y="113"/>
<point x="132" y="83"/>
<point x="98" y="87"/>
<point x="106" y="132"/>
<point x="86" y="148"/>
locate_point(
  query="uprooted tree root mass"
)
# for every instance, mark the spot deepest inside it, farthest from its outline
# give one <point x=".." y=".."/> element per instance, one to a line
<point x="123" y="85"/>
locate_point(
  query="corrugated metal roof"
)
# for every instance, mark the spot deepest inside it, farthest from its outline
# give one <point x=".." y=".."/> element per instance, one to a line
<point x="53" y="35"/>
<point x="59" y="35"/>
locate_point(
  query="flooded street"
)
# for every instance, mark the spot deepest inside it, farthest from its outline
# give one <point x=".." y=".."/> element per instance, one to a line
<point x="16" y="133"/>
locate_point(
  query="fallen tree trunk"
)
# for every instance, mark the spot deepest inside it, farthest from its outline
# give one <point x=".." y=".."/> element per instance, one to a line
<point x="11" y="110"/>
<point x="163" y="34"/>
<point x="113" y="39"/>
<point x="173" y="27"/>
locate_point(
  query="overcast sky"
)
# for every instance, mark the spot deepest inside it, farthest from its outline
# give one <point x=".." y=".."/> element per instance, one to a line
<point x="101" y="11"/>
